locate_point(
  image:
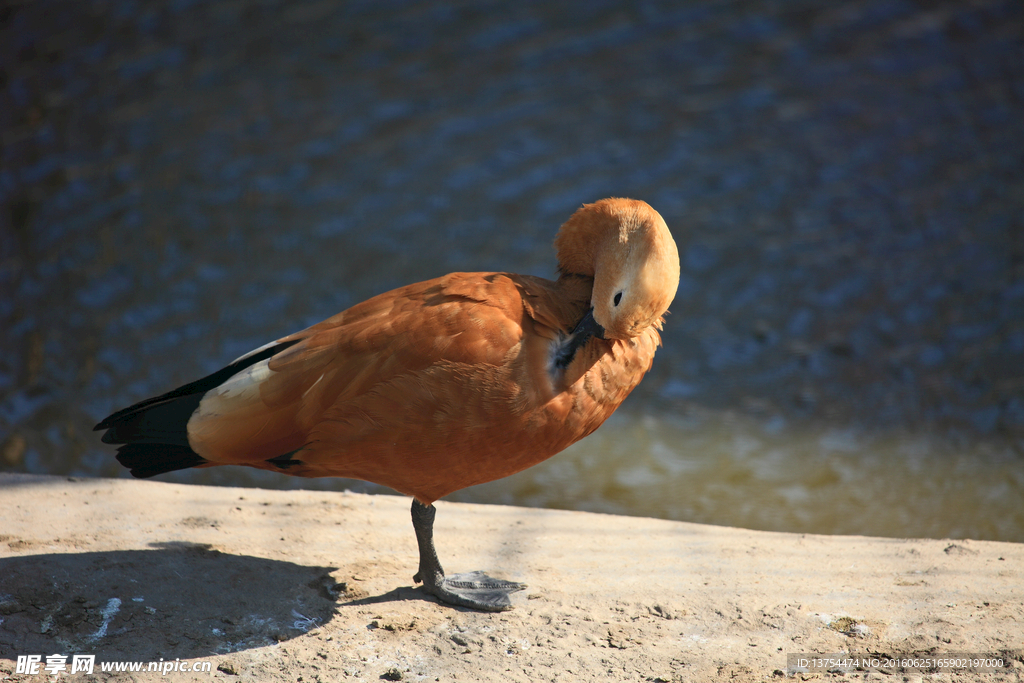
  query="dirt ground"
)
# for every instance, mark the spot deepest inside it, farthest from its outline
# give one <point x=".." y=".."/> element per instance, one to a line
<point x="312" y="586"/>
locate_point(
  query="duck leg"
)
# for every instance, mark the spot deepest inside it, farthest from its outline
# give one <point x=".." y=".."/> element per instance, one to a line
<point x="475" y="590"/>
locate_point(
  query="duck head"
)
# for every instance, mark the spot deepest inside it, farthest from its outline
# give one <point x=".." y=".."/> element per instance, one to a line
<point x="625" y="246"/>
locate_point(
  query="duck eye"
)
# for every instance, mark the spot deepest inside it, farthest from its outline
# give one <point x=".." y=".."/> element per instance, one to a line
<point x="617" y="299"/>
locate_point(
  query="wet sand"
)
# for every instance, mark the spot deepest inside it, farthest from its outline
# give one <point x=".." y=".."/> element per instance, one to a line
<point x="316" y="586"/>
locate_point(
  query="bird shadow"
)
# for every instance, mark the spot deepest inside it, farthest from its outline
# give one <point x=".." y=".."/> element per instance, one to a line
<point x="174" y="600"/>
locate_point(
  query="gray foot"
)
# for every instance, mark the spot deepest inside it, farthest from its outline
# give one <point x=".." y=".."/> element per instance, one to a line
<point x="475" y="590"/>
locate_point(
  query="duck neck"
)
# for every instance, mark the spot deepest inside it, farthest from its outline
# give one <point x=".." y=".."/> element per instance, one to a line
<point x="584" y="237"/>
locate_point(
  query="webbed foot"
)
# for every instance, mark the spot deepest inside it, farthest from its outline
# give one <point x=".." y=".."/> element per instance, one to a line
<point x="474" y="590"/>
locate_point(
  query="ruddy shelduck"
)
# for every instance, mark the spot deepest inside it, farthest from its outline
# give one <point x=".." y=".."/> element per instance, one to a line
<point x="435" y="386"/>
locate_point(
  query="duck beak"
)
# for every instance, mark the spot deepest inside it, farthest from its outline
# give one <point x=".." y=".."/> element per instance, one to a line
<point x="588" y="327"/>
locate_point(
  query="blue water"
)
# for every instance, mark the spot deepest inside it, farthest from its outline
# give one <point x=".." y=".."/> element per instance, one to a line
<point x="182" y="182"/>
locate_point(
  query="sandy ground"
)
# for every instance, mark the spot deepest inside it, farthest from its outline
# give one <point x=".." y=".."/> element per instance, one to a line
<point x="312" y="586"/>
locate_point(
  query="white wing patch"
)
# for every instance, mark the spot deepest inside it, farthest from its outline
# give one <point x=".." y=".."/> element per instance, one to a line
<point x="242" y="388"/>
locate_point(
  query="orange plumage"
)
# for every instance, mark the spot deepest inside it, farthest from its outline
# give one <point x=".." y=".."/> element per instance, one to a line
<point x="438" y="385"/>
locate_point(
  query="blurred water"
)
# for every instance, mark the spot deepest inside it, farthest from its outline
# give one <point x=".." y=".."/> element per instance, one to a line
<point x="184" y="181"/>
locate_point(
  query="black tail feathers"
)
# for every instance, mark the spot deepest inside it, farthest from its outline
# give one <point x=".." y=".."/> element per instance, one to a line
<point x="154" y="432"/>
<point x="154" y="436"/>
